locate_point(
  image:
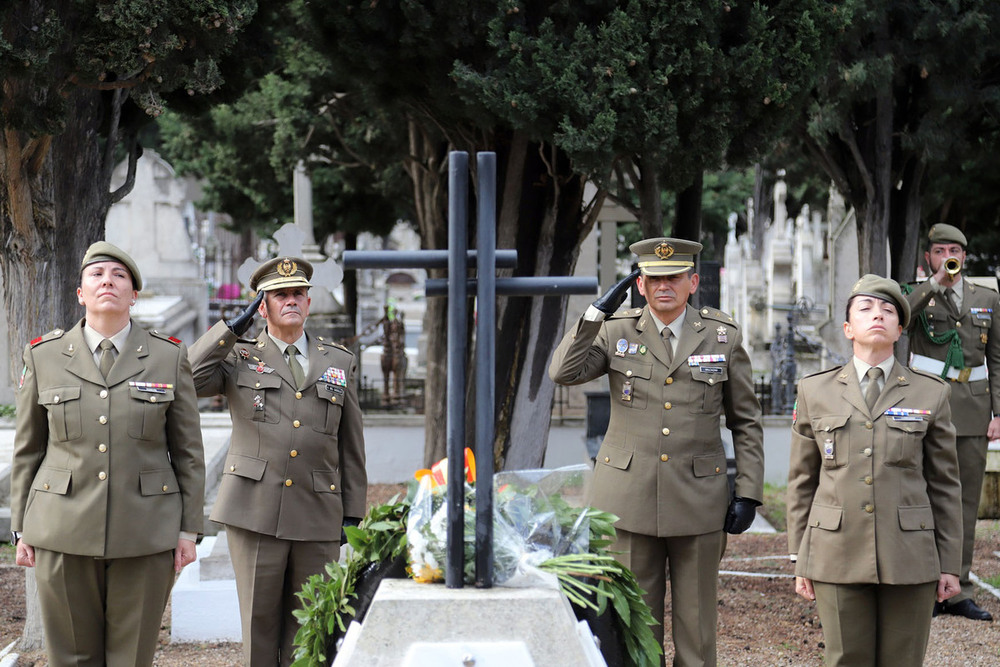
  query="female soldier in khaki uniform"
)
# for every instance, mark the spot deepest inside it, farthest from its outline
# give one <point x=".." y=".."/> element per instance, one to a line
<point x="874" y="499"/>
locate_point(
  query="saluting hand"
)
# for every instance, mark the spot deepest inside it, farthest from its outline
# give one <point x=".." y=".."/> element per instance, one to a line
<point x="239" y="324"/>
<point x="609" y="302"/>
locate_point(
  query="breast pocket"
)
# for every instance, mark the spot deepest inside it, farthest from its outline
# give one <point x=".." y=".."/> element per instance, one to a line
<point x="707" y="387"/>
<point x="65" y="414"/>
<point x="831" y="434"/>
<point x="147" y="412"/>
<point x="906" y="440"/>
<point x="331" y="396"/>
<point x="630" y="382"/>
<point x="982" y="321"/>
<point x="259" y="397"/>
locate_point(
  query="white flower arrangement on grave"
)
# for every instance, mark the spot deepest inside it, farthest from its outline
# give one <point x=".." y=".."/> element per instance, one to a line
<point x="543" y="536"/>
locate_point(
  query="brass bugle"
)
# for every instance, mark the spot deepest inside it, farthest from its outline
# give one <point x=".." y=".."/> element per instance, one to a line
<point x="952" y="266"/>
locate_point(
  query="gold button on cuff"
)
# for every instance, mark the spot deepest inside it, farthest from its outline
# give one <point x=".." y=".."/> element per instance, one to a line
<point x="293" y="453"/>
<point x="667" y="405"/>
<point x="102" y="447"/>
<point x="665" y="431"/>
<point x="102" y="419"/>
<point x="222" y="342"/>
<point x="45" y="486"/>
<point x="664" y="458"/>
<point x="288" y="482"/>
<point x="333" y="487"/>
<point x="669" y="381"/>
<point x="869" y="508"/>
<point x="296" y="423"/>
<point x="867" y="451"/>
<point x="104" y="393"/>
<point x="102" y="475"/>
<point x="165" y="487"/>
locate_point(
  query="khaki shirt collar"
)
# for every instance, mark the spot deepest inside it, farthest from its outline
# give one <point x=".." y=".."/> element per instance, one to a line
<point x="93" y="339"/>
<point x="862" y="368"/>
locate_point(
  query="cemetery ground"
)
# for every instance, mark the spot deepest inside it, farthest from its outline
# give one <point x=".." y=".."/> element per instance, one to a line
<point x="761" y="620"/>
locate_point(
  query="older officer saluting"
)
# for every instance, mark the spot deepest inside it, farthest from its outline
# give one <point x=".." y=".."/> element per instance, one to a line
<point x="955" y="334"/>
<point x="673" y="372"/>
<point x="874" y="501"/>
<point x="295" y="471"/>
<point x="108" y="483"/>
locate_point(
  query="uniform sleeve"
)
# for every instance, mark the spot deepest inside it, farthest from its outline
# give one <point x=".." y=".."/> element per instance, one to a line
<point x="30" y="441"/>
<point x="743" y="420"/>
<point x="803" y="472"/>
<point x="187" y="454"/>
<point x="581" y="355"/>
<point x="210" y="363"/>
<point x="918" y="299"/>
<point x="351" y="440"/>
<point x="943" y="484"/>
<point x="993" y="356"/>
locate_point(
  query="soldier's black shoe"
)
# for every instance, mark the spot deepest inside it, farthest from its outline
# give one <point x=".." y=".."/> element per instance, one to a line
<point x="967" y="608"/>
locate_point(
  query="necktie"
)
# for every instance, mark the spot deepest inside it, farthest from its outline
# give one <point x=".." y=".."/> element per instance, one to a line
<point x="107" y="358"/>
<point x="952" y="298"/>
<point x="667" y="333"/>
<point x="873" y="391"/>
<point x="298" y="374"/>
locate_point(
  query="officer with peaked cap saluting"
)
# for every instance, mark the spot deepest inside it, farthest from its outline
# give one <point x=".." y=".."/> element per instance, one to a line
<point x="108" y="474"/>
<point x="955" y="334"/>
<point x="295" y="470"/>
<point x="673" y="372"/>
<point x="874" y="499"/>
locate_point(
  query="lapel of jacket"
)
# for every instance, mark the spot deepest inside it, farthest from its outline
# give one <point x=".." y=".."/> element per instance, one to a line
<point x="80" y="361"/>
<point x="848" y="377"/>
<point x="893" y="392"/>
<point x="649" y="336"/>
<point x="319" y="359"/>
<point x="271" y="355"/>
<point x="129" y="362"/>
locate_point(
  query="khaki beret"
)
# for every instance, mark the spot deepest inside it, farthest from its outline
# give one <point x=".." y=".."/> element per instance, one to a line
<point x="281" y="272"/>
<point x="102" y="251"/>
<point x="942" y="233"/>
<point x="665" y="256"/>
<point x="886" y="290"/>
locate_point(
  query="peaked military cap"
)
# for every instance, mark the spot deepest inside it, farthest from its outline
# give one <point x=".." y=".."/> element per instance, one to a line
<point x="280" y="273"/>
<point x="102" y="251"/>
<point x="886" y="290"/>
<point x="665" y="256"/>
<point x="942" y="233"/>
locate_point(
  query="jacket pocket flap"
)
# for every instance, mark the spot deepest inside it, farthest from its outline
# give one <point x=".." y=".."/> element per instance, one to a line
<point x="258" y="380"/>
<point x="329" y="392"/>
<point x="631" y="367"/>
<point x="158" y="482"/>
<point x="52" y="480"/>
<point x="709" y="373"/>
<point x="615" y="457"/>
<point x="909" y="427"/>
<point x="325" y="481"/>
<point x="245" y="466"/>
<point x="56" y="395"/>
<point x="158" y="396"/>
<point x="829" y="422"/>
<point x="712" y="464"/>
<point x="919" y="517"/>
<point x="826" y="517"/>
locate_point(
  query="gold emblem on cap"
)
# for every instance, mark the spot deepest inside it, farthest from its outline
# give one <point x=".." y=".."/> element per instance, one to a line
<point x="287" y="268"/>
<point x="664" y="250"/>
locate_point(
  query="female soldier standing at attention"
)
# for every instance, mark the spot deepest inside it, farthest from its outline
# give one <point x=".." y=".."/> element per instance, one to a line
<point x="108" y="475"/>
<point x="874" y="499"/>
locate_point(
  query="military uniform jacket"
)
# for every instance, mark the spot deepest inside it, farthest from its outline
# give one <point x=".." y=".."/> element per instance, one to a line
<point x="874" y="497"/>
<point x="978" y="325"/>
<point x="296" y="461"/>
<point x="662" y="467"/>
<point x="110" y="469"/>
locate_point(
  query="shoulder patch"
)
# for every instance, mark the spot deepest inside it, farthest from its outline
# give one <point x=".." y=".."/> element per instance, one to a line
<point x="52" y="335"/>
<point x="163" y="336"/>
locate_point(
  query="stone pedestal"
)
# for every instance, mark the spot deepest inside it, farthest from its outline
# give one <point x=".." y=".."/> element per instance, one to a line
<point x="204" y="606"/>
<point x="989" y="500"/>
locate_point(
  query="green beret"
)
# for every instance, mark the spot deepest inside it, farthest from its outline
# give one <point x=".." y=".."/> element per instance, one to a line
<point x="942" y="233"/>
<point x="102" y="251"/>
<point x="281" y="272"/>
<point x="886" y="290"/>
<point x="665" y="256"/>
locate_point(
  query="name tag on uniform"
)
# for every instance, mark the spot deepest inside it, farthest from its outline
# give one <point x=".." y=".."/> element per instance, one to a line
<point x="711" y="369"/>
<point x="699" y="359"/>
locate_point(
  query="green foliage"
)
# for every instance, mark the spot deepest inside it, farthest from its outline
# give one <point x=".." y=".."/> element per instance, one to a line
<point x="8" y="411"/>
<point x="775" y="509"/>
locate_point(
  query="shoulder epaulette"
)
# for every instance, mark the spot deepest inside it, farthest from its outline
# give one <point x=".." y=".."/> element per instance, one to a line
<point x="625" y="314"/>
<point x="52" y="335"/>
<point x="717" y="315"/>
<point x="163" y="336"/>
<point x="822" y="372"/>
<point x="933" y="376"/>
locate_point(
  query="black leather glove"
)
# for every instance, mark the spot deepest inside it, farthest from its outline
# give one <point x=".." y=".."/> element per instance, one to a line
<point x="614" y="297"/>
<point x="239" y="324"/>
<point x="740" y="515"/>
<point x="348" y="521"/>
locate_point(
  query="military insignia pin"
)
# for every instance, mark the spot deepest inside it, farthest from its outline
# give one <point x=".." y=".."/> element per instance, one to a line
<point x="664" y="250"/>
<point x="633" y="348"/>
<point x="627" y="391"/>
<point x="244" y="353"/>
<point x="983" y="337"/>
<point x="930" y="303"/>
<point x="287" y="268"/>
<point x="828" y="449"/>
<point x="620" y="347"/>
<point x="258" y="403"/>
<point x="642" y="349"/>
<point x="260" y="367"/>
<point x="723" y="335"/>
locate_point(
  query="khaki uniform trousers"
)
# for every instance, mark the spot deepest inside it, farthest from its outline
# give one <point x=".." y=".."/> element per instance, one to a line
<point x="875" y="625"/>
<point x="100" y="612"/>
<point x="694" y="581"/>
<point x="269" y="572"/>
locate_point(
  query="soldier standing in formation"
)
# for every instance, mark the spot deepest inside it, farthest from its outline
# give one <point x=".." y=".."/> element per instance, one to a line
<point x="874" y="501"/>
<point x="295" y="470"/>
<point x="955" y="334"/>
<point x="108" y="474"/>
<point x="673" y="372"/>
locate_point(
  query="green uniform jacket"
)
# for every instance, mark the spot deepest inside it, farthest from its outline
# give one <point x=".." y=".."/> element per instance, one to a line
<point x="972" y="403"/>
<point x="662" y="467"/>
<point x="110" y="469"/>
<point x="874" y="498"/>
<point x="296" y="461"/>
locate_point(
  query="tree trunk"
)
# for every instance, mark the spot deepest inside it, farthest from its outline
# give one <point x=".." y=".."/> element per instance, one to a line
<point x="904" y="222"/>
<point x="650" y="202"/>
<point x="688" y="222"/>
